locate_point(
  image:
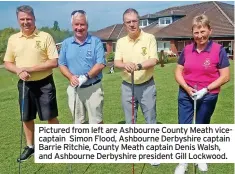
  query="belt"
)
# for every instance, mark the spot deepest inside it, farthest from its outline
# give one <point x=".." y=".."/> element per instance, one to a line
<point x="124" y="82"/>
<point x="85" y="86"/>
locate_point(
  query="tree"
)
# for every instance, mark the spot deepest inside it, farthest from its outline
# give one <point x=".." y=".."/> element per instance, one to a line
<point x="56" y="26"/>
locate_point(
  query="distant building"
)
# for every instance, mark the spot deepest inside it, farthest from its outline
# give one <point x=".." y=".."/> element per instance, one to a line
<point x="172" y="27"/>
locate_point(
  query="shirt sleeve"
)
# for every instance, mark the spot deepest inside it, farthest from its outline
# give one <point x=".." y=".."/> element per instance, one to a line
<point x="153" y="48"/>
<point x="223" y="59"/>
<point x="9" y="55"/>
<point x="118" y="52"/>
<point x="181" y="58"/>
<point x="62" y="56"/>
<point x="100" y="55"/>
<point x="52" y="52"/>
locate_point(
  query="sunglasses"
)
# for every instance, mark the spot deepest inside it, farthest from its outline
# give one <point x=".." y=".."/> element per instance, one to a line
<point x="78" y="11"/>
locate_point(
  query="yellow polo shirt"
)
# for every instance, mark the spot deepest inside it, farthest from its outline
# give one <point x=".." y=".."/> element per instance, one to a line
<point x="138" y="51"/>
<point x="28" y="51"/>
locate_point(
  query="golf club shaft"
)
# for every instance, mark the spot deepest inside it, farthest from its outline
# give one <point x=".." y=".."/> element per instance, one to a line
<point x="22" y="116"/>
<point x="74" y="112"/>
<point x="194" y="120"/>
<point x="132" y="109"/>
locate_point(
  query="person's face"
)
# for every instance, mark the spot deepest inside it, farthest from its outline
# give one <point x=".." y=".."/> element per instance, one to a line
<point x="131" y="22"/>
<point x="79" y="26"/>
<point x="26" y="22"/>
<point x="201" y="34"/>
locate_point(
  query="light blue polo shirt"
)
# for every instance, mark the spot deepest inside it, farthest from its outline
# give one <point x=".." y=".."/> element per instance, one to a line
<point x="80" y="59"/>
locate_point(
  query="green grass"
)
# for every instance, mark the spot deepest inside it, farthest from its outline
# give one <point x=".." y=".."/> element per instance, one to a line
<point x="167" y="91"/>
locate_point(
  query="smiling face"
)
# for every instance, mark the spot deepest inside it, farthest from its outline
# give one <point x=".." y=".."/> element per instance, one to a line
<point x="26" y="22"/>
<point x="80" y="27"/>
<point x="201" y="35"/>
<point x="131" y="23"/>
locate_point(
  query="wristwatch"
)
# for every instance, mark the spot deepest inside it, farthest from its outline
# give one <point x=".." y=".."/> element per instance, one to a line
<point x="139" y="66"/>
<point x="87" y="76"/>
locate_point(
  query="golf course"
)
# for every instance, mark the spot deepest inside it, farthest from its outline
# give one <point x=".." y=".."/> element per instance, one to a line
<point x="167" y="92"/>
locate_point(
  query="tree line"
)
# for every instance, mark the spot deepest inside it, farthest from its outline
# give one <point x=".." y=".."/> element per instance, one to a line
<point x="55" y="31"/>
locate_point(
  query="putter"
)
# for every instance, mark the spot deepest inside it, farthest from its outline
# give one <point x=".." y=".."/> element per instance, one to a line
<point x="74" y="112"/>
<point x="132" y="104"/>
<point x="194" y="120"/>
<point x="22" y="116"/>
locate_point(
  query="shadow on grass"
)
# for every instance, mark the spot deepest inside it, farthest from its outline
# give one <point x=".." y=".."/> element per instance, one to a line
<point x="87" y="168"/>
<point x="142" y="169"/>
<point x="39" y="169"/>
<point x="123" y="122"/>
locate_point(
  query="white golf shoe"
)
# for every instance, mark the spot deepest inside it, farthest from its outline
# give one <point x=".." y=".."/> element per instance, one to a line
<point x="202" y="167"/>
<point x="181" y="168"/>
<point x="155" y="164"/>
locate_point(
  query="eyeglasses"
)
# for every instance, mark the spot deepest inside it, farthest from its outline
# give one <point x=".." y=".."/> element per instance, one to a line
<point x="78" y="11"/>
<point x="132" y="21"/>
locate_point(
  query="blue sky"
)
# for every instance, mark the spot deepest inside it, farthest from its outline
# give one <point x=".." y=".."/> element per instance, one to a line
<point x="100" y="14"/>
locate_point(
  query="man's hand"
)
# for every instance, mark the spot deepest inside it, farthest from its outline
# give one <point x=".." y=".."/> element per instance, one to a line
<point x="82" y="79"/>
<point x="199" y="94"/>
<point x="130" y="67"/>
<point x="74" y="81"/>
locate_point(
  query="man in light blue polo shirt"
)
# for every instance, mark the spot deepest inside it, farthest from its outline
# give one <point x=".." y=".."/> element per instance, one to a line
<point x="81" y="61"/>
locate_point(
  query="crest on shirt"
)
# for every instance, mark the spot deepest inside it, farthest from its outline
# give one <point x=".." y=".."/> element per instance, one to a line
<point x="88" y="54"/>
<point x="144" y="51"/>
<point x="207" y="63"/>
<point x="38" y="44"/>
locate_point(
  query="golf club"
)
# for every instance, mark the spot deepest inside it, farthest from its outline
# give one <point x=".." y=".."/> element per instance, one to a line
<point x="74" y="112"/>
<point x="22" y="116"/>
<point x="132" y="104"/>
<point x="194" y="120"/>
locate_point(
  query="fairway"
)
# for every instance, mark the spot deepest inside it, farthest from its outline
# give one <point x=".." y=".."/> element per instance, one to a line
<point x="167" y="91"/>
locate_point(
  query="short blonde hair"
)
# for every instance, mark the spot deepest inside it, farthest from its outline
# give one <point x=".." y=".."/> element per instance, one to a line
<point x="201" y="21"/>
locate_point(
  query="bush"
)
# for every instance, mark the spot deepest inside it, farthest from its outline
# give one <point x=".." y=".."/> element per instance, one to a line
<point x="110" y="57"/>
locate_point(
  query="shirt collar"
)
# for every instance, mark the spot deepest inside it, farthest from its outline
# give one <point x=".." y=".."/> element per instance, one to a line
<point x="207" y="48"/>
<point x="35" y="33"/>
<point x="87" y="41"/>
<point x="139" y="37"/>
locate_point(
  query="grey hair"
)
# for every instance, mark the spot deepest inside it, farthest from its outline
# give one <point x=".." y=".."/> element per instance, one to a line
<point x="79" y="14"/>
<point x="131" y="10"/>
<point x="25" y="9"/>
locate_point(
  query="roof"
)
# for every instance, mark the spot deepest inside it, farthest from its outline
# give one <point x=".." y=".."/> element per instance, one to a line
<point x="220" y="14"/>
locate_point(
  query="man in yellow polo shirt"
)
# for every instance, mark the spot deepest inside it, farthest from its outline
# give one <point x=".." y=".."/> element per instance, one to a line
<point x="32" y="54"/>
<point x="137" y="52"/>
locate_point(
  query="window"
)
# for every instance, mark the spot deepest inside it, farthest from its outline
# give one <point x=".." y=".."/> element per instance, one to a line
<point x="228" y="46"/>
<point x="165" y="21"/>
<point x="114" y="46"/>
<point x="143" y="23"/>
<point x="163" y="45"/>
<point x="104" y="45"/>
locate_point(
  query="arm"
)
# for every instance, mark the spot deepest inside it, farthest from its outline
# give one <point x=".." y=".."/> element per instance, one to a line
<point x="64" y="69"/>
<point x="49" y="64"/>
<point x="118" y="60"/>
<point x="224" y="78"/>
<point x="52" y="57"/>
<point x="100" y="60"/>
<point x="223" y="70"/>
<point x="153" y="58"/>
<point x="180" y="80"/>
<point x="9" y="62"/>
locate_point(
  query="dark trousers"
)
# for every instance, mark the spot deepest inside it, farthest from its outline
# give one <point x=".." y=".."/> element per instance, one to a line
<point x="205" y="108"/>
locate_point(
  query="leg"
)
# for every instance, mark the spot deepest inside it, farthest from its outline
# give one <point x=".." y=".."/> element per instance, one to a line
<point x="80" y="112"/>
<point x="127" y="103"/>
<point x="185" y="108"/>
<point x="205" y="109"/>
<point x="27" y="118"/>
<point x="94" y="102"/>
<point x="147" y="97"/>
